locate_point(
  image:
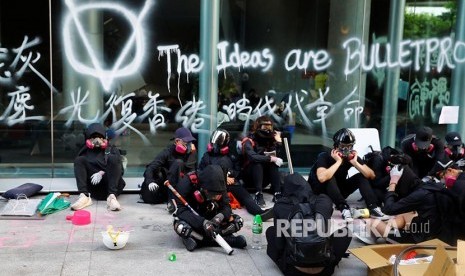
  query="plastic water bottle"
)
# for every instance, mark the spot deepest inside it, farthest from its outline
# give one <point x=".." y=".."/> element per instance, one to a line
<point x="257" y="229"/>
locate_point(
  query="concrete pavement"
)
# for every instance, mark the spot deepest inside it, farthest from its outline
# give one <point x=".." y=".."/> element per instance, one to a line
<point x="54" y="246"/>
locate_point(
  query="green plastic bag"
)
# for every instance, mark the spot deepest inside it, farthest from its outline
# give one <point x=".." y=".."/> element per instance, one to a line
<point x="53" y="203"/>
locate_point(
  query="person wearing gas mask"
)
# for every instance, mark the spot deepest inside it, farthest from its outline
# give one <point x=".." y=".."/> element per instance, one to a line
<point x="416" y="207"/>
<point x="261" y="164"/>
<point x="425" y="149"/>
<point x="219" y="153"/>
<point x="455" y="149"/>
<point x="98" y="170"/>
<point x="204" y="211"/>
<point x="176" y="161"/>
<point x="381" y="163"/>
<point x="329" y="175"/>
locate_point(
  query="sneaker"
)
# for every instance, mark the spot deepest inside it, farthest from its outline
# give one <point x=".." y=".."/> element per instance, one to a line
<point x="236" y="241"/>
<point x="259" y="200"/>
<point x="170" y="207"/>
<point x="267" y="214"/>
<point x="112" y="203"/>
<point x="377" y="214"/>
<point x="82" y="202"/>
<point x="347" y="215"/>
<point x="189" y="243"/>
<point x="276" y="196"/>
<point x="365" y="236"/>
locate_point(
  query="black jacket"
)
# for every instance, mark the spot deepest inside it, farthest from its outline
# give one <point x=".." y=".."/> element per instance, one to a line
<point x="423" y="162"/>
<point x="296" y="190"/>
<point x="164" y="160"/>
<point x="423" y="202"/>
<point x="211" y="178"/>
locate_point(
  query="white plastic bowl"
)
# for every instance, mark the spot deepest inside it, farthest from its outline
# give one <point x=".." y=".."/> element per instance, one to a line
<point x="115" y="239"/>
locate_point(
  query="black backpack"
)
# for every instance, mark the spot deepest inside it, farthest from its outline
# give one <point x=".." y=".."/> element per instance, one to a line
<point x="307" y="248"/>
<point x="448" y="203"/>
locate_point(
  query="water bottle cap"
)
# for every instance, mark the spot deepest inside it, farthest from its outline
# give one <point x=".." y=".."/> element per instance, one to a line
<point x="257" y="219"/>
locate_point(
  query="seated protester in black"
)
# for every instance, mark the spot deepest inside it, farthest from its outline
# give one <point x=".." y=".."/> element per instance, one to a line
<point x="174" y="162"/>
<point x="295" y="191"/>
<point x="381" y="163"/>
<point x="425" y="149"/>
<point x="329" y="175"/>
<point x="219" y="153"/>
<point x="211" y="213"/>
<point x="396" y="228"/>
<point x="261" y="164"/>
<point x="417" y="207"/>
<point x="454" y="149"/>
<point x="98" y="170"/>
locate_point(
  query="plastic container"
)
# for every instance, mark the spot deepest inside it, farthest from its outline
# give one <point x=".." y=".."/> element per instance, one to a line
<point x="172" y="257"/>
<point x="80" y="217"/>
<point x="257" y="230"/>
<point x="360" y="213"/>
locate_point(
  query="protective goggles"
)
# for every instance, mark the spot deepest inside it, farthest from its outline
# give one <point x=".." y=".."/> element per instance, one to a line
<point x="266" y="126"/>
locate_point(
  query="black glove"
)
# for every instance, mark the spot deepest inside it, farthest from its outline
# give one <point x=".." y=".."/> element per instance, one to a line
<point x="233" y="226"/>
<point x="238" y="222"/>
<point x="210" y="228"/>
<point x="217" y="219"/>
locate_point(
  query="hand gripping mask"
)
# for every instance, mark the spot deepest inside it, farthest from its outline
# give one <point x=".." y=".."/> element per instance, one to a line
<point x="346" y="154"/>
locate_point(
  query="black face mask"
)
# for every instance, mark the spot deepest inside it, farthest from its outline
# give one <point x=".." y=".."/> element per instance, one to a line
<point x="265" y="133"/>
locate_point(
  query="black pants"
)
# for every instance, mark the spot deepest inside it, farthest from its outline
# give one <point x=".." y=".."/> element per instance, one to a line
<point x="339" y="248"/>
<point x="259" y="175"/>
<point x="339" y="190"/>
<point x="163" y="194"/>
<point x="244" y="198"/>
<point x="112" y="181"/>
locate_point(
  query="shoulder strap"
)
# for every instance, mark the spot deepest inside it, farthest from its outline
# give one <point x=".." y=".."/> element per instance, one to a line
<point x="245" y="139"/>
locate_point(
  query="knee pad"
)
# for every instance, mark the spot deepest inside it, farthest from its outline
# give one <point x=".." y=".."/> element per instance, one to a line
<point x="182" y="228"/>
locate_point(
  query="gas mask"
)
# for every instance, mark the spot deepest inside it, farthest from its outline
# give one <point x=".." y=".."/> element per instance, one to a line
<point x="265" y="130"/>
<point x="209" y="199"/>
<point x="101" y="143"/>
<point x="455" y="152"/>
<point x="346" y="151"/>
<point x="449" y="180"/>
<point x="183" y="149"/>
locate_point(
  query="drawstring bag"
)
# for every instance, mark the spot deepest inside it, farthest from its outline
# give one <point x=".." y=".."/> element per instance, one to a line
<point x="53" y="203"/>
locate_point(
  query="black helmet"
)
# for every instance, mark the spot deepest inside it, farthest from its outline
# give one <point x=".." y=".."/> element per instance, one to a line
<point x="343" y="136"/>
<point x="220" y="137"/>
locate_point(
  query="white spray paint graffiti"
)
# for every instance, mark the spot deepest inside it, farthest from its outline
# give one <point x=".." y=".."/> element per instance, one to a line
<point x="440" y="52"/>
<point x="434" y="93"/>
<point x="13" y="69"/>
<point x="156" y="120"/>
<point x="190" y="114"/>
<point x="136" y="40"/>
<point x="16" y="111"/>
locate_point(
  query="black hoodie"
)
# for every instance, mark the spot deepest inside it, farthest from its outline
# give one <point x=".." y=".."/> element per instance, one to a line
<point x="95" y="128"/>
<point x="212" y="178"/>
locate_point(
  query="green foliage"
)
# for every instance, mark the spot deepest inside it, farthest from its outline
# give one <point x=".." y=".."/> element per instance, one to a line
<point x="418" y="26"/>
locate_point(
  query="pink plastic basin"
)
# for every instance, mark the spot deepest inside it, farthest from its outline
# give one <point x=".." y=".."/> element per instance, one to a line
<point x="80" y="217"/>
